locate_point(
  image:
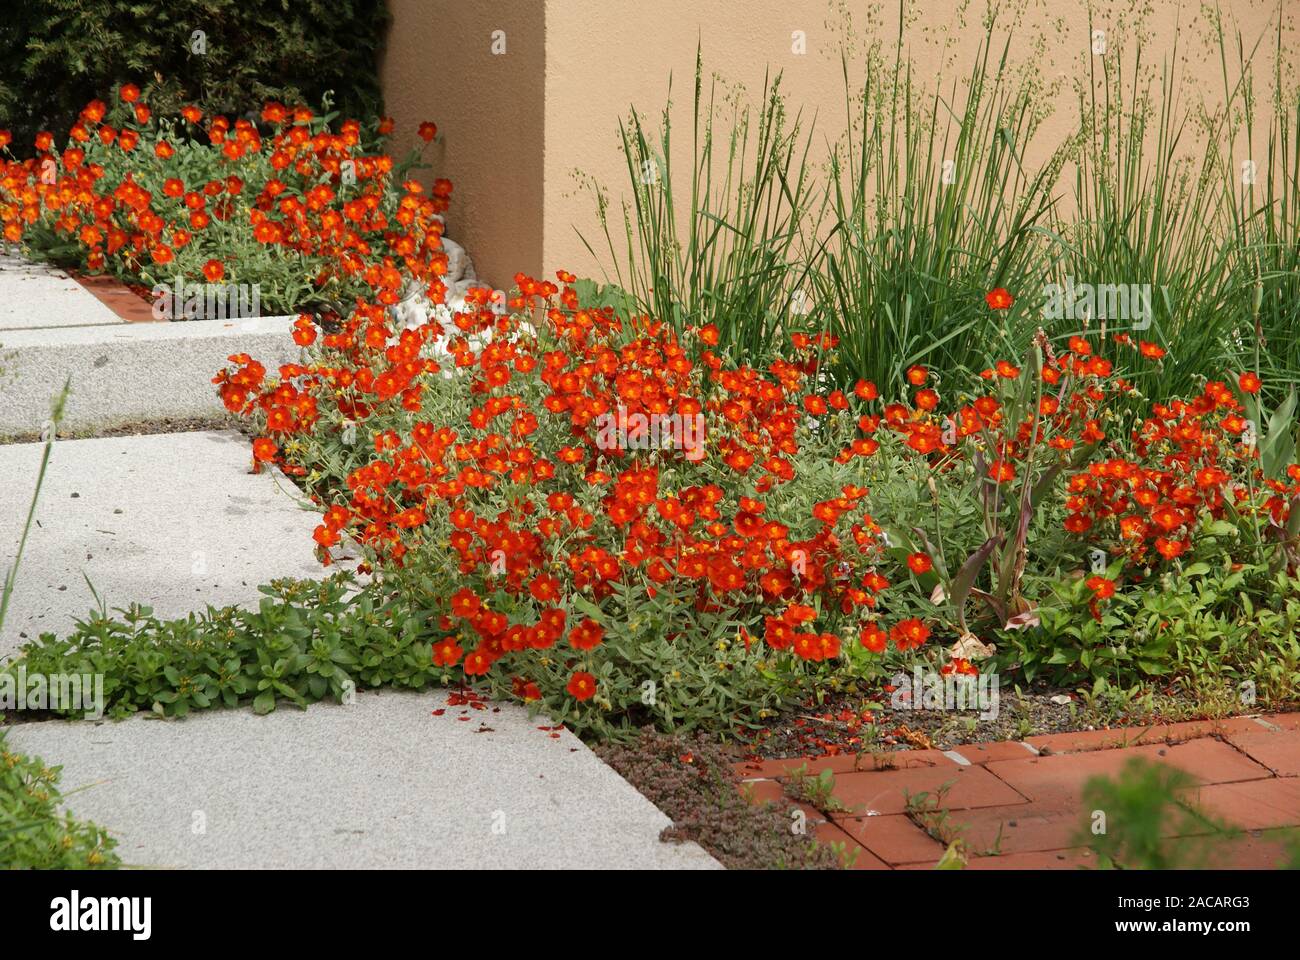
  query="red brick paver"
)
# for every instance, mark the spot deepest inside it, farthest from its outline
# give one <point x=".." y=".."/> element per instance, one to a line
<point x="895" y="839"/>
<point x="887" y="791"/>
<point x="1253" y="806"/>
<point x="1059" y="778"/>
<point x="1086" y="740"/>
<point x="855" y="854"/>
<point x="988" y="752"/>
<point x="1279" y="750"/>
<point x="1286" y="721"/>
<point x="842" y="763"/>
<point x="1019" y="808"/>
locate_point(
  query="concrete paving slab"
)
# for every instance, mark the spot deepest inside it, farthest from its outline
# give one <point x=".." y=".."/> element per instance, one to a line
<point x="34" y="295"/>
<point x="170" y="520"/>
<point x="380" y="783"/>
<point x="129" y="372"/>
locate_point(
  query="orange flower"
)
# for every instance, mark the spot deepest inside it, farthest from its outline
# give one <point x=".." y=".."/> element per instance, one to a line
<point x="477" y="663"/>
<point x="447" y="653"/>
<point x="465" y="603"/>
<point x="926" y="399"/>
<point x="866" y="390"/>
<point x="909" y="634"/>
<point x="1102" y="588"/>
<point x="581" y="686"/>
<point x="1249" y="383"/>
<point x="544" y="589"/>
<point x="427" y="131"/>
<point x="873" y="638"/>
<point x="1168" y="517"/>
<point x="304" y="332"/>
<point x="919" y="563"/>
<point x="1170" y="549"/>
<point x="875" y="582"/>
<point x="999" y="299"/>
<point x="1001" y="471"/>
<point x="214" y="270"/>
<point x="1208" y="477"/>
<point x="586" y="635"/>
<point x="960" y="666"/>
<point x="129" y="93"/>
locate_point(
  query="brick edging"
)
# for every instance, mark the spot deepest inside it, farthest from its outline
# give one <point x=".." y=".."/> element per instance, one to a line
<point x="977" y="754"/>
<point x="115" y="295"/>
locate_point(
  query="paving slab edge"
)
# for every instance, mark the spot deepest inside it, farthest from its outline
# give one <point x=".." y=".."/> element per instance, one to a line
<point x="632" y="821"/>
<point x="129" y="372"/>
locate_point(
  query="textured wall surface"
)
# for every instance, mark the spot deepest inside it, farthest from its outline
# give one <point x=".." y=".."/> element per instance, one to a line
<point x="520" y="126"/>
<point x="438" y="64"/>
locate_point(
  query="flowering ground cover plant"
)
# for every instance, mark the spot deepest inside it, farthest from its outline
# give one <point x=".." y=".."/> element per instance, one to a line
<point x="624" y="521"/>
<point x="642" y="581"/>
<point x="821" y="532"/>
<point x="308" y="208"/>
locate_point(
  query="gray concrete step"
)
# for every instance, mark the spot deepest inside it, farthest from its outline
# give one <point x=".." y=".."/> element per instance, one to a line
<point x="52" y="328"/>
<point x="172" y="520"/>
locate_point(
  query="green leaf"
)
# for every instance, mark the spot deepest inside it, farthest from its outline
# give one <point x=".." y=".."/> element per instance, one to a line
<point x="967" y="575"/>
<point x="588" y="608"/>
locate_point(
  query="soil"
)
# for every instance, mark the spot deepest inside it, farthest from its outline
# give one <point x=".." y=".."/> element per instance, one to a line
<point x="690" y="778"/>
<point x="856" y="723"/>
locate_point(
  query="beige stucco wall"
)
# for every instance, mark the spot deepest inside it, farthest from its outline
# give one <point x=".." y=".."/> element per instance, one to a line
<point x="518" y="127"/>
<point x="439" y="65"/>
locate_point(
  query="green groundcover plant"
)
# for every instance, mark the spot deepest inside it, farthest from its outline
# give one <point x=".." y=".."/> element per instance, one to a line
<point x="35" y="833"/>
<point x="306" y="641"/>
